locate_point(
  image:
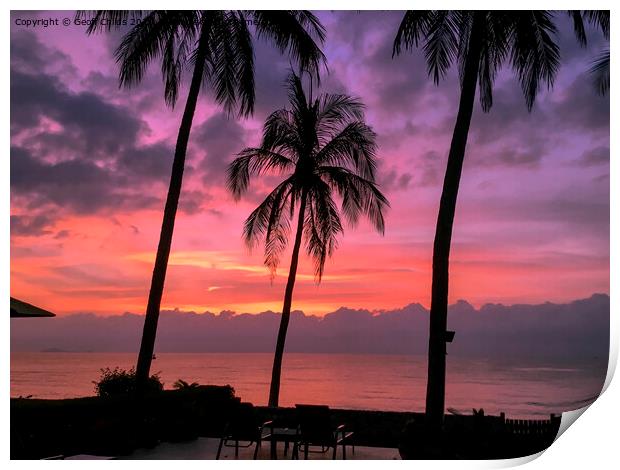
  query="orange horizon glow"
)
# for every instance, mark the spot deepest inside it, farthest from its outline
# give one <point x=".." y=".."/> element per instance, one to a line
<point x="532" y="219"/>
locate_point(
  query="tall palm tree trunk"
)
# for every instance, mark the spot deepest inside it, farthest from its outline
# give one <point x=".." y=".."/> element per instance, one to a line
<point x="167" y="227"/>
<point x="274" y="390"/>
<point x="436" y="385"/>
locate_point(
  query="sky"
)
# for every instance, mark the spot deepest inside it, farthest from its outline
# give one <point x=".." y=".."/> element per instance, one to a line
<point x="90" y="165"/>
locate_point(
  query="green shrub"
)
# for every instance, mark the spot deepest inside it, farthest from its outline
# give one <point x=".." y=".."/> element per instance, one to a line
<point x="119" y="381"/>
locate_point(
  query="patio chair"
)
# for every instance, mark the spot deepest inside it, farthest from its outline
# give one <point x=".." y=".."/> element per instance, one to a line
<point x="316" y="430"/>
<point x="244" y="426"/>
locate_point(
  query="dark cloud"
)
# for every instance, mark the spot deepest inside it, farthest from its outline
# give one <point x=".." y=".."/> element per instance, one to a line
<point x="582" y="108"/>
<point x="194" y="202"/>
<point x="594" y="157"/>
<point x="573" y="330"/>
<point x="423" y="170"/>
<point x="75" y="185"/>
<point x="584" y="213"/>
<point x="510" y="136"/>
<point x="150" y="162"/>
<point x="398" y="84"/>
<point x="62" y="234"/>
<point x="25" y="225"/>
<point x="29" y="55"/>
<point x="219" y="139"/>
<point x="76" y="150"/>
<point x="271" y="69"/>
<point x="106" y="85"/>
<point x="429" y="168"/>
<point x="95" y="155"/>
<point x="509" y="156"/>
<point x="90" y="127"/>
<point x="393" y="180"/>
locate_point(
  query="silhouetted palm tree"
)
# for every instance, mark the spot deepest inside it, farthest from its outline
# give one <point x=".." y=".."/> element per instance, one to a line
<point x="600" y="20"/>
<point x="324" y="148"/>
<point x="480" y="42"/>
<point x="218" y="46"/>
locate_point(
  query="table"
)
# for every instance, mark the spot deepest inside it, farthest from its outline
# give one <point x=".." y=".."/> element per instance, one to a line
<point x="286" y="435"/>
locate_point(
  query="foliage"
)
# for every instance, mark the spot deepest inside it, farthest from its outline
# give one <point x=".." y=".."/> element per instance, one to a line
<point x="171" y="36"/>
<point x="525" y="39"/>
<point x="119" y="381"/>
<point x="183" y="385"/>
<point x="324" y="149"/>
<point x="600" y="70"/>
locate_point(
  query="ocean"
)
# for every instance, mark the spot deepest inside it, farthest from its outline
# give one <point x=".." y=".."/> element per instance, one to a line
<point x="525" y="390"/>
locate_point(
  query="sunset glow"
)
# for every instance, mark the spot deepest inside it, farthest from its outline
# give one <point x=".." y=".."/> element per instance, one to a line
<point x="90" y="165"/>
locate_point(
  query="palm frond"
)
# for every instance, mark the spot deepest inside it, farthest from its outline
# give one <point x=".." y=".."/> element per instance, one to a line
<point x="278" y="229"/>
<point x="465" y="28"/>
<point x="254" y="161"/>
<point x="494" y="51"/>
<point x="258" y="222"/>
<point x="344" y="165"/>
<point x="174" y="58"/>
<point x="281" y="134"/>
<point x="245" y="63"/>
<point x="354" y="146"/>
<point x="414" y="25"/>
<point x="600" y="19"/>
<point x="295" y="32"/>
<point x="535" y="56"/>
<point x="322" y="226"/>
<point x="526" y="38"/>
<point x="578" y="26"/>
<point x="600" y="70"/>
<point x="442" y="43"/>
<point x="231" y="62"/>
<point x="335" y="111"/>
<point x="154" y="36"/>
<point x="296" y="96"/>
<point x="359" y="195"/>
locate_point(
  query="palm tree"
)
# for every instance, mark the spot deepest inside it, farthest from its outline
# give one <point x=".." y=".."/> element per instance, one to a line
<point x="600" y="66"/>
<point x="323" y="148"/>
<point x="480" y="42"/>
<point x="218" y="46"/>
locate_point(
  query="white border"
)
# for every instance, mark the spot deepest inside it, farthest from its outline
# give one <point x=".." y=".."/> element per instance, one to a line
<point x="592" y="443"/>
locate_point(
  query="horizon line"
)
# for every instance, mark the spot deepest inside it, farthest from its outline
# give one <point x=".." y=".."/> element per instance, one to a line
<point x="335" y="310"/>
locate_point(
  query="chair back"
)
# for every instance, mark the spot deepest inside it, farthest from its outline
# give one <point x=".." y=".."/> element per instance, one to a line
<point x="243" y="423"/>
<point x="315" y="424"/>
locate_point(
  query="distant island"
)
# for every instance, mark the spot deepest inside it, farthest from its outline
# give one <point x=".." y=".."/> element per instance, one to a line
<point x="575" y="330"/>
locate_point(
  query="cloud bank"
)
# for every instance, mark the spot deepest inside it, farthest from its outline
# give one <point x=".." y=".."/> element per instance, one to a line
<point x="578" y="329"/>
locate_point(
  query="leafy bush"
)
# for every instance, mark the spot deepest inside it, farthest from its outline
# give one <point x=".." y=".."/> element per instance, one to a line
<point x="119" y="381"/>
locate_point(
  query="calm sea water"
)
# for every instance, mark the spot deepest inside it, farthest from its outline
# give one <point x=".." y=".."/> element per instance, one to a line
<point x="376" y="382"/>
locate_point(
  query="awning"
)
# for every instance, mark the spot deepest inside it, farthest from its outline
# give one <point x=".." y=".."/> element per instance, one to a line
<point x="21" y="309"/>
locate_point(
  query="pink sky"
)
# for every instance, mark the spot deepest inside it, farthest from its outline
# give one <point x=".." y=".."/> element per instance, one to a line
<point x="90" y="165"/>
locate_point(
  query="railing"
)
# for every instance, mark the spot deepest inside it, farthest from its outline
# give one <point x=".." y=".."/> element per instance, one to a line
<point x="529" y="427"/>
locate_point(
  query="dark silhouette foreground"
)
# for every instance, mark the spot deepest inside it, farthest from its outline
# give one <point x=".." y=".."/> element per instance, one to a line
<point x="116" y="426"/>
